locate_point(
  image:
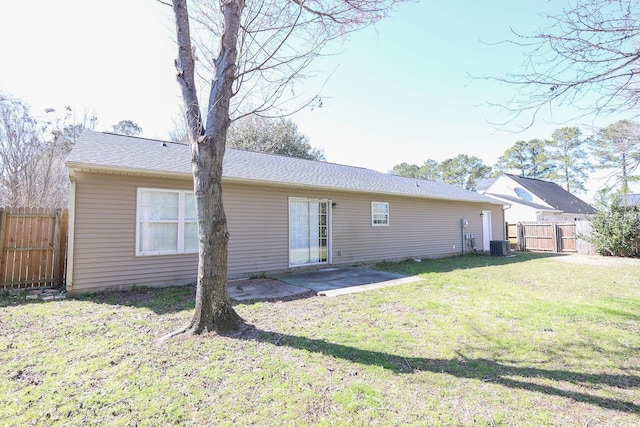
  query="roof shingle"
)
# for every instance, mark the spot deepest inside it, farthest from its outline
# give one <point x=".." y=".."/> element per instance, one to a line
<point x="554" y="195"/>
<point x="105" y="151"/>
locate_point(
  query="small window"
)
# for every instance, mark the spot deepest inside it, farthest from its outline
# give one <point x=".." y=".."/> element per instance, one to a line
<point x="166" y="222"/>
<point x="379" y="214"/>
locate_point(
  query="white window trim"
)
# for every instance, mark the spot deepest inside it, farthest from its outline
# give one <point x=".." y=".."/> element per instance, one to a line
<point x="181" y="222"/>
<point x="386" y="224"/>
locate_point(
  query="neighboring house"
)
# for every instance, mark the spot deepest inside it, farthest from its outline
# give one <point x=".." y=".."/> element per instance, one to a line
<point x="132" y="219"/>
<point x="535" y="200"/>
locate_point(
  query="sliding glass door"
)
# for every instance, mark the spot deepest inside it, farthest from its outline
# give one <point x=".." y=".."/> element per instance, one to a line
<point x="308" y="231"/>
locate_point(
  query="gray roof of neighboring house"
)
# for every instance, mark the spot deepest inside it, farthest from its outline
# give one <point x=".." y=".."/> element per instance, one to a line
<point x="630" y="200"/>
<point x="484" y="184"/>
<point x="554" y="195"/>
<point x="106" y="151"/>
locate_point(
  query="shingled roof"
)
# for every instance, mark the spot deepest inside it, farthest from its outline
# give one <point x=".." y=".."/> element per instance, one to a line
<point x="126" y="154"/>
<point x="554" y="195"/>
<point x="630" y="200"/>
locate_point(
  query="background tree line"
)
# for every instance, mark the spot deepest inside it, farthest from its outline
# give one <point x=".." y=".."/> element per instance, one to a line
<point x="567" y="158"/>
<point x="274" y="135"/>
<point x="33" y="147"/>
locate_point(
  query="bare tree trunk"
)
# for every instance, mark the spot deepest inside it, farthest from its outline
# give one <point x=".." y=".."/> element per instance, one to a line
<point x="625" y="178"/>
<point x="269" y="62"/>
<point x="213" y="311"/>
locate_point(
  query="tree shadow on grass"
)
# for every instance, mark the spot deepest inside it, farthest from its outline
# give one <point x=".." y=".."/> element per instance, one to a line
<point x="179" y="298"/>
<point x="159" y="300"/>
<point x="510" y="376"/>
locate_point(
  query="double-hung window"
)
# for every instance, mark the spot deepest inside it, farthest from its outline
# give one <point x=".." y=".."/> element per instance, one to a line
<point x="379" y="214"/>
<point x="166" y="222"/>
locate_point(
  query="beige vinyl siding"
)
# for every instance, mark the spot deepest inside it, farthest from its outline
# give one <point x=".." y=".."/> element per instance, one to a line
<point x="105" y="232"/>
<point x="105" y="227"/>
<point x="417" y="228"/>
<point x="257" y="215"/>
<point x="257" y="218"/>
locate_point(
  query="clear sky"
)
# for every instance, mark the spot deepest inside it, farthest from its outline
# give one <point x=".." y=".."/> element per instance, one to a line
<point x="399" y="92"/>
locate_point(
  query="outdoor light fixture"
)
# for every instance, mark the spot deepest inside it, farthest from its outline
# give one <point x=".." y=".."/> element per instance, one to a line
<point x="481" y="214"/>
<point x="334" y="204"/>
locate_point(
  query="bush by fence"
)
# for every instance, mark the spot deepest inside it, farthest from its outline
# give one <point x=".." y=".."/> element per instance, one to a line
<point x="616" y="231"/>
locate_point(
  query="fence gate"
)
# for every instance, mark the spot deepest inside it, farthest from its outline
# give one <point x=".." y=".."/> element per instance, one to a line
<point x="550" y="236"/>
<point x="33" y="247"/>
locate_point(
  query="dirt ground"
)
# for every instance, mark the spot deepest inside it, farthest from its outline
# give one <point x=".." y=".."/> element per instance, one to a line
<point x="264" y="288"/>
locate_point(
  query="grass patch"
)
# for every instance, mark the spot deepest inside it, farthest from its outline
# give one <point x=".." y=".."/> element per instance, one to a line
<point x="528" y="340"/>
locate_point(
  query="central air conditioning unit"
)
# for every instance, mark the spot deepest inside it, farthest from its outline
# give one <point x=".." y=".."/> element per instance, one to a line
<point x="499" y="247"/>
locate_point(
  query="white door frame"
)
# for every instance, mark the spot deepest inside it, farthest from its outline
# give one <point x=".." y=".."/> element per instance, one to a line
<point x="328" y="230"/>
<point x="487" y="232"/>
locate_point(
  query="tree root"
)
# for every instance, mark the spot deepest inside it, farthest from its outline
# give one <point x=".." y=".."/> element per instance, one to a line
<point x="231" y="325"/>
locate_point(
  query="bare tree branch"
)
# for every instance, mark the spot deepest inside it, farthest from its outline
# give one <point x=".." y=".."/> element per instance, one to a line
<point x="587" y="58"/>
<point x="278" y="44"/>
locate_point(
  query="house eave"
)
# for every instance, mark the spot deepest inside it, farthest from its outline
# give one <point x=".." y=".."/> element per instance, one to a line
<point x="350" y="190"/>
<point x="541" y="211"/>
<point x="535" y="206"/>
<point x="92" y="168"/>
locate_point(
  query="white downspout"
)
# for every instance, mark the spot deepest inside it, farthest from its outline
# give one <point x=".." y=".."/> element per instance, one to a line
<point x="71" y="230"/>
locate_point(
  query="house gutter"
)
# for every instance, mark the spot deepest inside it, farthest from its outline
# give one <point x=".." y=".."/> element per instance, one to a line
<point x="71" y="231"/>
<point x="350" y="190"/>
<point x="83" y="167"/>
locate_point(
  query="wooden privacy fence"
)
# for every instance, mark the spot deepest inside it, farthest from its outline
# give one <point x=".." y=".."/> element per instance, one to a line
<point x="550" y="236"/>
<point x="33" y="247"/>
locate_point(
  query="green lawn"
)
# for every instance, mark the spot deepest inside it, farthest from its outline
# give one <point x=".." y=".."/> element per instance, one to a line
<point x="527" y="340"/>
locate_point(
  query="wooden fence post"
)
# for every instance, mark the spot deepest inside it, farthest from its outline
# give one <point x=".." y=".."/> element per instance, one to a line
<point x="3" y="225"/>
<point x="521" y="242"/>
<point x="583" y="230"/>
